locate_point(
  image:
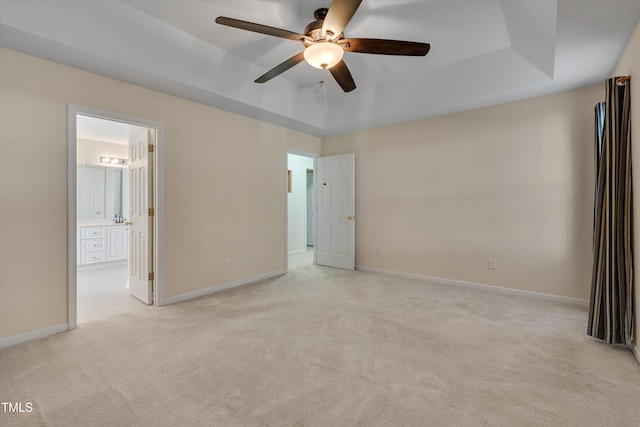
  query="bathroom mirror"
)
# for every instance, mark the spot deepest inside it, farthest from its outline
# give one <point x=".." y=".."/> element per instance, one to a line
<point x="102" y="192"/>
<point x="117" y="192"/>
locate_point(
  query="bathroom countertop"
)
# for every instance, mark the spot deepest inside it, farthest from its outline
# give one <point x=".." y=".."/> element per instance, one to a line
<point x="97" y="223"/>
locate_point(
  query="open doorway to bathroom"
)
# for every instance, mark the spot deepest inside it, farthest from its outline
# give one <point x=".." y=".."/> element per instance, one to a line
<point x="103" y="190"/>
<point x="300" y="211"/>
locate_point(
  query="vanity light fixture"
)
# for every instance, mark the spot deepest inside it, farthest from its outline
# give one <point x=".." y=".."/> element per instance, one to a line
<point x="113" y="161"/>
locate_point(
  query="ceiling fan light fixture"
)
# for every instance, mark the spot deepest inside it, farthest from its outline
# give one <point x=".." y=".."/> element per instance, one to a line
<point x="323" y="54"/>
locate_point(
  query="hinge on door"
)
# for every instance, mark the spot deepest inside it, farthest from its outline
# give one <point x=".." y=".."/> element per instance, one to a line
<point x="151" y="148"/>
<point x="151" y="276"/>
<point x="152" y="212"/>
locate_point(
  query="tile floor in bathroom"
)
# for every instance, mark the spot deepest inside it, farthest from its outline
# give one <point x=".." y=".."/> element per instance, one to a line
<point x="103" y="292"/>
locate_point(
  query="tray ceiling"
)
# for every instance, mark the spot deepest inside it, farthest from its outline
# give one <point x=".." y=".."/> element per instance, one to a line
<point x="483" y="52"/>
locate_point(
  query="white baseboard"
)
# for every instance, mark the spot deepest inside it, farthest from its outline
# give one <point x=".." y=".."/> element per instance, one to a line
<point x="33" y="335"/>
<point x="490" y="288"/>
<point x="299" y="251"/>
<point x="99" y="265"/>
<point x="217" y="288"/>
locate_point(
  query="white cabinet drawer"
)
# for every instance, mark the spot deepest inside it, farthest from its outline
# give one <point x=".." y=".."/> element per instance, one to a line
<point x="102" y="244"/>
<point x="93" y="232"/>
<point x="91" y="257"/>
<point x="94" y="245"/>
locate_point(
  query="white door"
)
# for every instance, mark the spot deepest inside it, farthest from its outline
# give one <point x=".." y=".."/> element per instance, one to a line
<point x="335" y="211"/>
<point x="141" y="219"/>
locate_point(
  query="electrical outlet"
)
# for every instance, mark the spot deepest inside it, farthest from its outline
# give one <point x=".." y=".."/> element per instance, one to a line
<point x="251" y="258"/>
<point x="227" y="262"/>
<point x="492" y="264"/>
<point x="380" y="251"/>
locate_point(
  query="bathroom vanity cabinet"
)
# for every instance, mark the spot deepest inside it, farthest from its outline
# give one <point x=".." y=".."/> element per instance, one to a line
<point x="102" y="243"/>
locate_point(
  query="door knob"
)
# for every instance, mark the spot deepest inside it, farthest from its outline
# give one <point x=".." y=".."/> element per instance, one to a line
<point x="350" y="217"/>
<point x="128" y="223"/>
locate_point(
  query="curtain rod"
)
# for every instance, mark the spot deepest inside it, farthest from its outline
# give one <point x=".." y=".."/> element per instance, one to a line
<point x="622" y="80"/>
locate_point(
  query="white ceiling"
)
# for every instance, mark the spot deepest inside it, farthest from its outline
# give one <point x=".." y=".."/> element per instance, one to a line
<point x="96" y="129"/>
<point x="483" y="52"/>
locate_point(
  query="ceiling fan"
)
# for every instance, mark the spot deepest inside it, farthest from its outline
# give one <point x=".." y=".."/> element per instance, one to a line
<point x="325" y="43"/>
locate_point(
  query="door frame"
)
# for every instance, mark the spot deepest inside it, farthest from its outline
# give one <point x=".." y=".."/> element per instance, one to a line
<point x="313" y="156"/>
<point x="311" y="200"/>
<point x="73" y="111"/>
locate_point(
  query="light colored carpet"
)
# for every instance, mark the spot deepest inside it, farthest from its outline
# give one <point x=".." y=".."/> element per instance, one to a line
<point x="325" y="347"/>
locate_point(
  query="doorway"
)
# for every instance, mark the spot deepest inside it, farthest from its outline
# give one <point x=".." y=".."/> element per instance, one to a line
<point x="300" y="211"/>
<point x="103" y="197"/>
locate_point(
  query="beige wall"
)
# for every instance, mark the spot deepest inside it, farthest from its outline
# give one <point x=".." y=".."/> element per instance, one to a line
<point x="512" y="182"/>
<point x="222" y="174"/>
<point x="630" y="65"/>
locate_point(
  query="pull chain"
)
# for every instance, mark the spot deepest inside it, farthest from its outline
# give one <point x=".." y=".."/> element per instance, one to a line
<point x="324" y="102"/>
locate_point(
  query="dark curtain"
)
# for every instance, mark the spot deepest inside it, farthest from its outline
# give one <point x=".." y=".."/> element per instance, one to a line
<point x="611" y="302"/>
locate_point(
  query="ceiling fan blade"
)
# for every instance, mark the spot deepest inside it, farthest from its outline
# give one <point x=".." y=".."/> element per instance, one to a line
<point x="259" y="28"/>
<point x="387" y="47"/>
<point x="279" y="69"/>
<point x="339" y="14"/>
<point x="341" y="73"/>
